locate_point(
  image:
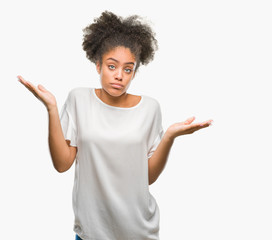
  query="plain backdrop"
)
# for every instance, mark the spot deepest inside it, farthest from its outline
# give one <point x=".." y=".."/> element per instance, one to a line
<point x="214" y="62"/>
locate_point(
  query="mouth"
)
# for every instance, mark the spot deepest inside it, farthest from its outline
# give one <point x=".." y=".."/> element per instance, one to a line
<point x="115" y="85"/>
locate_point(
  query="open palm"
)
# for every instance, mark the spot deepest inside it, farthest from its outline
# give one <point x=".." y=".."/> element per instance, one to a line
<point x="46" y="97"/>
<point x="186" y="127"/>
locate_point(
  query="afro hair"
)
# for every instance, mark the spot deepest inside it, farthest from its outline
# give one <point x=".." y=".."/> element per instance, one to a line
<point x="109" y="31"/>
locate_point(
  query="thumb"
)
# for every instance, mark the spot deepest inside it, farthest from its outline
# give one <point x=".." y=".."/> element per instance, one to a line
<point x="189" y="120"/>
<point x="42" y="88"/>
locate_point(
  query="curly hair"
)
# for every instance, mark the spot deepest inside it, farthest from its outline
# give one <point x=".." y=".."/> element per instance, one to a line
<point x="109" y="31"/>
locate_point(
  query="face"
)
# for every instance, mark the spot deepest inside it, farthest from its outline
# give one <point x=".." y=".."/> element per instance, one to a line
<point x="118" y="67"/>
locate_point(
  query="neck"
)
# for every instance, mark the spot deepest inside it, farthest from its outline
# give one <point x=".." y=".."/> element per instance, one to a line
<point x="118" y="101"/>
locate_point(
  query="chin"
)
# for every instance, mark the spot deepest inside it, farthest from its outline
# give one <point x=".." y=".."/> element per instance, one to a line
<point x="115" y="92"/>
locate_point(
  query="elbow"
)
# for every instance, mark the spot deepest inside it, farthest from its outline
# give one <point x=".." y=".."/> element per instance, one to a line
<point x="60" y="169"/>
<point x="151" y="181"/>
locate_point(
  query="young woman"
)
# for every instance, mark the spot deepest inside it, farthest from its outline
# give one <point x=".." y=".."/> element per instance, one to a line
<point x="116" y="138"/>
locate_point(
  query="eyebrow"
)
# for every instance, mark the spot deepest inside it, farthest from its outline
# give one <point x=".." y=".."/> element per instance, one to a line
<point x="118" y="61"/>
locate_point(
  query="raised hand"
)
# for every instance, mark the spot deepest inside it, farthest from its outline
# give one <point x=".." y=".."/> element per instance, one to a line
<point x="186" y="127"/>
<point x="46" y="97"/>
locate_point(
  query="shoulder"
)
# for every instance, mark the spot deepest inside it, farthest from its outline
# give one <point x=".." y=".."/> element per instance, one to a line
<point x="151" y="101"/>
<point x="152" y="105"/>
<point x="77" y="92"/>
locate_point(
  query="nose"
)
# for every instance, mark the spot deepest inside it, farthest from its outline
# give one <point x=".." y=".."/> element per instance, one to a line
<point x="119" y="74"/>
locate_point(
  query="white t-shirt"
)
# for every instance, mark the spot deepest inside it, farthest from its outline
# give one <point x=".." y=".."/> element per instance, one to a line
<point x="111" y="198"/>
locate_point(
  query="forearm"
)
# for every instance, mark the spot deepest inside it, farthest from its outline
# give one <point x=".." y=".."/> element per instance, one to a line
<point x="157" y="161"/>
<point x="58" y="147"/>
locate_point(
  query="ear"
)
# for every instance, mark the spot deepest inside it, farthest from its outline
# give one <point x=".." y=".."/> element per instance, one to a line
<point x="98" y="67"/>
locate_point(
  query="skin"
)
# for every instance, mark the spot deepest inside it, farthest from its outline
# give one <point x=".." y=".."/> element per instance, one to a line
<point x="117" y="66"/>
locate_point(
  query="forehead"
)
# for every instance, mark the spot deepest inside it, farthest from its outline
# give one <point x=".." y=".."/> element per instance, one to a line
<point x="121" y="54"/>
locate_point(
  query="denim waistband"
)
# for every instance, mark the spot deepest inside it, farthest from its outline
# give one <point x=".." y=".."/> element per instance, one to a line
<point x="78" y="238"/>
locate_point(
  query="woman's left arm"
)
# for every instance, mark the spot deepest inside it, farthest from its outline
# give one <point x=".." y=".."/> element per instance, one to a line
<point x="157" y="161"/>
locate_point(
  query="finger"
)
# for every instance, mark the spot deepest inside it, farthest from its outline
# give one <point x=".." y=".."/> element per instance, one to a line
<point x="197" y="126"/>
<point x="207" y="123"/>
<point x="20" y="77"/>
<point x="42" y="88"/>
<point x="32" y="88"/>
<point x="29" y="86"/>
<point x="24" y="82"/>
<point x="189" y="120"/>
<point x="21" y="80"/>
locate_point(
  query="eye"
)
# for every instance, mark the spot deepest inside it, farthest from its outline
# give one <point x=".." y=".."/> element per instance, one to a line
<point x="127" y="70"/>
<point x="111" y="67"/>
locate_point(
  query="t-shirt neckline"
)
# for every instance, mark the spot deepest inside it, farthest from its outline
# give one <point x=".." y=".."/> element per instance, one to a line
<point x="113" y="107"/>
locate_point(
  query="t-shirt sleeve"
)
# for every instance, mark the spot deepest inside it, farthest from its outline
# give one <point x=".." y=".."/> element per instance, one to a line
<point x="67" y="121"/>
<point x="158" y="132"/>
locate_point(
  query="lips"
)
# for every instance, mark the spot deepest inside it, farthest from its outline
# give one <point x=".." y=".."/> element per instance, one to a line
<point x="117" y="85"/>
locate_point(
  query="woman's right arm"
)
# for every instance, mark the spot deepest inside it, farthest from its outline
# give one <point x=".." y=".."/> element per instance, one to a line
<point x="62" y="154"/>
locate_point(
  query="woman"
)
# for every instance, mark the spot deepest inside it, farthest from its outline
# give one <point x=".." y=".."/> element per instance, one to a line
<point x="116" y="138"/>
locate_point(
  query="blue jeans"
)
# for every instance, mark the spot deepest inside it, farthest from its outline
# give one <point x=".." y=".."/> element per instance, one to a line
<point x="78" y="238"/>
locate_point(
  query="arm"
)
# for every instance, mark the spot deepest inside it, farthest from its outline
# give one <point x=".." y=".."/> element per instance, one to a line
<point x="157" y="161"/>
<point x="62" y="154"/>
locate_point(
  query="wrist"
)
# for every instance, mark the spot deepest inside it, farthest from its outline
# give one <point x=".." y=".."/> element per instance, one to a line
<point x="52" y="109"/>
<point x="168" y="136"/>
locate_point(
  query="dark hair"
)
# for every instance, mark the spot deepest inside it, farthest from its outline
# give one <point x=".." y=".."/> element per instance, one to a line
<point x="109" y="31"/>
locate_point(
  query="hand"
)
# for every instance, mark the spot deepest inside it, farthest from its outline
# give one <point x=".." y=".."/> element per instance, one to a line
<point x="186" y="127"/>
<point x="41" y="93"/>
